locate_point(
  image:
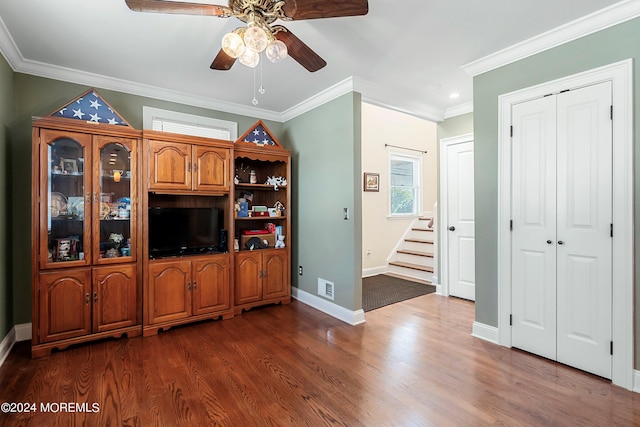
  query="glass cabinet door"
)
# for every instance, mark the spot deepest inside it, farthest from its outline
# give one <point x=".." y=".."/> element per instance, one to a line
<point x="65" y="185"/>
<point x="114" y="191"/>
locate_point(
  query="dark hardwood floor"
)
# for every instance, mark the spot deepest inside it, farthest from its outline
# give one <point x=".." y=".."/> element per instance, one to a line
<point x="412" y="364"/>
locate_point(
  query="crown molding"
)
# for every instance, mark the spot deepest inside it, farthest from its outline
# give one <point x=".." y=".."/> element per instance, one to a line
<point x="370" y="93"/>
<point x="327" y="95"/>
<point x="458" y="110"/>
<point x="589" y="24"/>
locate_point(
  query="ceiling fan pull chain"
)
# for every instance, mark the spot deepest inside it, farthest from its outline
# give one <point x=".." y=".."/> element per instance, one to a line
<point x="255" y="101"/>
<point x="261" y="90"/>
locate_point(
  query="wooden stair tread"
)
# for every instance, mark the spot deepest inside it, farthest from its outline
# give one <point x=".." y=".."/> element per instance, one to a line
<point x="418" y="240"/>
<point x="417" y="253"/>
<point x="424" y="218"/>
<point x="412" y="266"/>
<point x="422" y="229"/>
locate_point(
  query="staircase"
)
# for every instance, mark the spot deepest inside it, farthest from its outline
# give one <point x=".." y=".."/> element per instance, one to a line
<point x="414" y="256"/>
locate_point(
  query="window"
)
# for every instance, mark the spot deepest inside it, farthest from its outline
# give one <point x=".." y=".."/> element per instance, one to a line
<point x="188" y="124"/>
<point x="404" y="184"/>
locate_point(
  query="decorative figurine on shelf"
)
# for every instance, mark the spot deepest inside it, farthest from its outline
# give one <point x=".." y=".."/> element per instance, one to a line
<point x="243" y="212"/>
<point x="279" y="208"/>
<point x="280" y="242"/>
<point x="276" y="181"/>
<point x="236" y="180"/>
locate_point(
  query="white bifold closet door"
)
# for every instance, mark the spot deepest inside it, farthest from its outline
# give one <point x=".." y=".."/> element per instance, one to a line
<point x="562" y="227"/>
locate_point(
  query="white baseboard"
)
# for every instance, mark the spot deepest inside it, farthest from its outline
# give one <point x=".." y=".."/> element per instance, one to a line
<point x="21" y="332"/>
<point x="334" y="310"/>
<point x="373" y="271"/>
<point x="485" y="332"/>
<point x="7" y="344"/>
<point x="636" y="381"/>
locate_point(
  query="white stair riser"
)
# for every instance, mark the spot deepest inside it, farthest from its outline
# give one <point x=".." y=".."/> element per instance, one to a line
<point x="409" y="272"/>
<point x="413" y="246"/>
<point x="415" y="259"/>
<point x="427" y="235"/>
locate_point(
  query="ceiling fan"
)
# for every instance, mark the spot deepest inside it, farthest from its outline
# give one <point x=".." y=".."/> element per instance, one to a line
<point x="259" y="35"/>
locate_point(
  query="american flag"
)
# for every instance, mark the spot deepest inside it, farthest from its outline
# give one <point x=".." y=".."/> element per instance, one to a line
<point x="259" y="136"/>
<point x="90" y="107"/>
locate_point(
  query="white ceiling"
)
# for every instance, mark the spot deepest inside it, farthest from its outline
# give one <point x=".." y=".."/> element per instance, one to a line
<point x="405" y="54"/>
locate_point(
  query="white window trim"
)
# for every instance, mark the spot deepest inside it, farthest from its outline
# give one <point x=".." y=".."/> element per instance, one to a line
<point x="414" y="157"/>
<point x="152" y="115"/>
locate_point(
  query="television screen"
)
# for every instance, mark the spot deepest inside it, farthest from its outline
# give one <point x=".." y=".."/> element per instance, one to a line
<point x="176" y="231"/>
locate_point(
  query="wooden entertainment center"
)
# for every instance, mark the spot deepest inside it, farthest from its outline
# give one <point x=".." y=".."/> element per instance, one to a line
<point x="94" y="185"/>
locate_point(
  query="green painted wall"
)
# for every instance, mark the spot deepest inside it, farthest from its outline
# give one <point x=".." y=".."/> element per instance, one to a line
<point x="327" y="178"/>
<point x="598" y="49"/>
<point x="455" y="126"/>
<point x="6" y="294"/>
<point x="35" y="97"/>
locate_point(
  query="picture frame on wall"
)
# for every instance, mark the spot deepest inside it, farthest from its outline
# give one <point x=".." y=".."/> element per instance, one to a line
<point x="371" y="181"/>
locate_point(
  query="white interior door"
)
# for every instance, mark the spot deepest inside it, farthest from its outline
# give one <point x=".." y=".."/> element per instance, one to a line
<point x="584" y="224"/>
<point x="562" y="219"/>
<point x="461" y="221"/>
<point x="534" y="227"/>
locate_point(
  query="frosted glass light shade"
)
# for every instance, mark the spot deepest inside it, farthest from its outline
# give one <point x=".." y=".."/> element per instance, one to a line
<point x="255" y="38"/>
<point x="250" y="58"/>
<point x="276" y="51"/>
<point x="233" y="45"/>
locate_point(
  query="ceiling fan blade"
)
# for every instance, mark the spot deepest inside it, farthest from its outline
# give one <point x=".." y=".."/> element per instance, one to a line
<point x="161" y="6"/>
<point x="222" y="61"/>
<point x="300" y="51"/>
<point x="313" y="9"/>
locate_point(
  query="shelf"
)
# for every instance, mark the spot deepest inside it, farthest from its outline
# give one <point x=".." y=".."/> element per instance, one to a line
<point x="259" y="218"/>
<point x="260" y="186"/>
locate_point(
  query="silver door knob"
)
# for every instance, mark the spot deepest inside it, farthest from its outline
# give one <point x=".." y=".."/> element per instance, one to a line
<point x="452" y="228"/>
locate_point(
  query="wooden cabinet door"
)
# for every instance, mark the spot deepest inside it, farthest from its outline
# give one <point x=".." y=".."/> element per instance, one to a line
<point x="248" y="277"/>
<point x="65" y="304"/>
<point x="211" y="167"/>
<point x="169" y="166"/>
<point x="114" y="297"/>
<point x="169" y="296"/>
<point x="210" y="285"/>
<point x="274" y="274"/>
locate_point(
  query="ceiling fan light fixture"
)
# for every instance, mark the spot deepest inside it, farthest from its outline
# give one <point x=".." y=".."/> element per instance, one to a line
<point x="255" y="38"/>
<point x="233" y="45"/>
<point x="250" y="58"/>
<point x="276" y="51"/>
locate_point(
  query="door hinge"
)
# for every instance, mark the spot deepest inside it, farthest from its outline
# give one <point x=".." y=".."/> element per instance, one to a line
<point x="611" y="348"/>
<point x="511" y="225"/>
<point x="611" y="112"/>
<point x="611" y="229"/>
<point x="511" y="320"/>
<point x="511" y="130"/>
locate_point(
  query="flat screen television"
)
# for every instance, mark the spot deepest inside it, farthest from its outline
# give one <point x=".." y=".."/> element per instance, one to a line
<point x="184" y="231"/>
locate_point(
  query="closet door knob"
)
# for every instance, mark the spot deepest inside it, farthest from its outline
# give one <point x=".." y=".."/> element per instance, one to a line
<point x="560" y="242"/>
<point x="549" y="242"/>
<point x="452" y="228"/>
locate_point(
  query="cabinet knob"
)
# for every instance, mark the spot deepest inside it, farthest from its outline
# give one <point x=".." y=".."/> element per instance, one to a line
<point x="189" y="286"/>
<point x="87" y="298"/>
<point x="95" y="297"/>
<point x="560" y="242"/>
<point x="195" y="285"/>
<point x="452" y="228"/>
<point x="549" y="242"/>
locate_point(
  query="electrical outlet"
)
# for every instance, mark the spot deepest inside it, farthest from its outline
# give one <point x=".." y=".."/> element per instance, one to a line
<point x="300" y="270"/>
